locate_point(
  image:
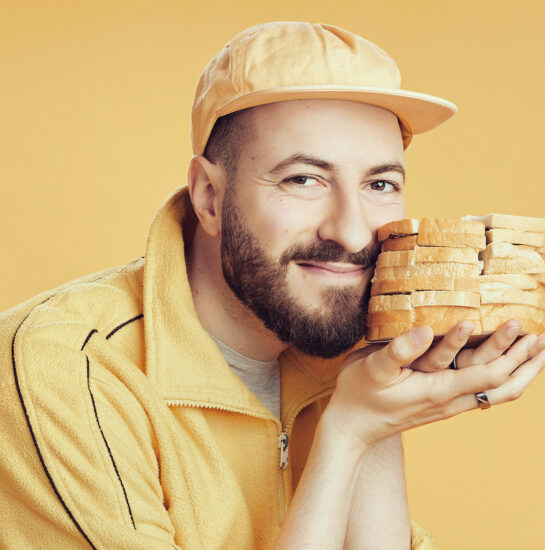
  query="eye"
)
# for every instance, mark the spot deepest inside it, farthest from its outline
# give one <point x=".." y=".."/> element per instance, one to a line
<point x="384" y="186"/>
<point x="302" y="181"/>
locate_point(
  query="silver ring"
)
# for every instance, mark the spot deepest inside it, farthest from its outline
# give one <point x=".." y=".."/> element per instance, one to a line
<point x="453" y="364"/>
<point x="482" y="400"/>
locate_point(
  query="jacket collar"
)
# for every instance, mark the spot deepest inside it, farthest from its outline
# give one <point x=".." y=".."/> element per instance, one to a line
<point x="182" y="360"/>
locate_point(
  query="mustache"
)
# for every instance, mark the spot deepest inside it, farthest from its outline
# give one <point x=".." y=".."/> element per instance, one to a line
<point x="330" y="251"/>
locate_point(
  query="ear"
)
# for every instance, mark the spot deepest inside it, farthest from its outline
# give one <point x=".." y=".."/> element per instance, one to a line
<point x="206" y="188"/>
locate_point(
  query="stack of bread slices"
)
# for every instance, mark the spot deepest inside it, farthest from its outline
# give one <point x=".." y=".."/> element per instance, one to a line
<point x="511" y="284"/>
<point x="438" y="272"/>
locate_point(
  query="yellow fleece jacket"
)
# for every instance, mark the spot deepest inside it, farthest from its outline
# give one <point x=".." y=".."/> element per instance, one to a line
<point x="122" y="426"/>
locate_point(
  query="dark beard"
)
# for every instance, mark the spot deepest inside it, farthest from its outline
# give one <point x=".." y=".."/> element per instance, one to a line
<point x="262" y="286"/>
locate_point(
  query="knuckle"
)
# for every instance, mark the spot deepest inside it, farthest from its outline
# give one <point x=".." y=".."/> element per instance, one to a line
<point x="495" y="380"/>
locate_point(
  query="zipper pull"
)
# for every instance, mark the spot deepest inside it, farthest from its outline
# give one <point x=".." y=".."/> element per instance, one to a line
<point x="283" y="441"/>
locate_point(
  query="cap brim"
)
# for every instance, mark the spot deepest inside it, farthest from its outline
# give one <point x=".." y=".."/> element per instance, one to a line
<point x="419" y="112"/>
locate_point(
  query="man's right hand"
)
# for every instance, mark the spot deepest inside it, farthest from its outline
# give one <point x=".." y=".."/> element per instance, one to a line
<point x="378" y="394"/>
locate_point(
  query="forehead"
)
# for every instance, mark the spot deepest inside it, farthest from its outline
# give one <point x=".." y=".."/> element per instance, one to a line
<point x="341" y="131"/>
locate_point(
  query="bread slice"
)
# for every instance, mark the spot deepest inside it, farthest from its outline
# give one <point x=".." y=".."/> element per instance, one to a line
<point x="512" y="296"/>
<point x="514" y="236"/>
<point x="392" y="316"/>
<point x="390" y="302"/>
<point x="442" y="318"/>
<point x="500" y="250"/>
<point x="395" y="258"/>
<point x="398" y="228"/>
<point x="457" y="240"/>
<point x="507" y="221"/>
<point x="451" y="225"/>
<point x="431" y="282"/>
<point x="423" y="254"/>
<point x="522" y="281"/>
<point x="539" y="278"/>
<point x="496" y="266"/>
<point x="386" y="331"/>
<point x="399" y="243"/>
<point x="427" y="298"/>
<point x="495" y="315"/>
<point x="443" y="269"/>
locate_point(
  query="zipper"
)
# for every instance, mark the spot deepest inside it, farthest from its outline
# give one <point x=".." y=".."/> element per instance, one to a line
<point x="283" y="442"/>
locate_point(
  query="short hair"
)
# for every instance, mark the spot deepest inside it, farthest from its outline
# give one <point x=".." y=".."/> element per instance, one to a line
<point x="226" y="140"/>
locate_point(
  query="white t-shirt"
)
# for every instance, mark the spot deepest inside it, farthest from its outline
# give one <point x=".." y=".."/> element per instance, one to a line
<point x="261" y="377"/>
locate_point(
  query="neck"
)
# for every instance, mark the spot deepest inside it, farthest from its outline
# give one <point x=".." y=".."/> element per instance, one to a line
<point x="220" y="312"/>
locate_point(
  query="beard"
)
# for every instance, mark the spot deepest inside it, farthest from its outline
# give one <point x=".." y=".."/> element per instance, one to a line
<point x="261" y="284"/>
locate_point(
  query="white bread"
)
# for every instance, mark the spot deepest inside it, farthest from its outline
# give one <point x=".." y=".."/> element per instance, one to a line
<point x="512" y="296"/>
<point x="427" y="298"/>
<point x="507" y="221"/>
<point x="390" y="302"/>
<point x="514" y="236"/>
<point x="399" y="243"/>
<point x="445" y="254"/>
<point x="431" y="282"/>
<point x="513" y="311"/>
<point x="386" y="331"/>
<point x="516" y="280"/>
<point x="395" y="258"/>
<point x="442" y="318"/>
<point x="451" y="225"/>
<point x="392" y="316"/>
<point x="496" y="266"/>
<point x="458" y="240"/>
<point x="443" y="269"/>
<point x="404" y="227"/>
<point x="500" y="250"/>
<point x="539" y="277"/>
<point x="492" y="323"/>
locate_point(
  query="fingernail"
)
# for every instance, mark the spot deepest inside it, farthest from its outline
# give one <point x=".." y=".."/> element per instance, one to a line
<point x="420" y="335"/>
<point x="465" y="330"/>
<point x="513" y="330"/>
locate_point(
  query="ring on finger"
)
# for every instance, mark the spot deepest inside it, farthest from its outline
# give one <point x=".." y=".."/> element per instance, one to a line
<point x="453" y="364"/>
<point x="482" y="400"/>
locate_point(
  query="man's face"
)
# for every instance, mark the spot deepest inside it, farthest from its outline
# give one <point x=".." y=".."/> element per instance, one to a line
<point x="314" y="182"/>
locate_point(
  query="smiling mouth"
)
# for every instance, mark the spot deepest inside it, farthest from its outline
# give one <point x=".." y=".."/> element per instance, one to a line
<point x="334" y="269"/>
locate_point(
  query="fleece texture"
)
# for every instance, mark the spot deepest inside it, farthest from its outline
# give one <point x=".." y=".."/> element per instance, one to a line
<point x="122" y="426"/>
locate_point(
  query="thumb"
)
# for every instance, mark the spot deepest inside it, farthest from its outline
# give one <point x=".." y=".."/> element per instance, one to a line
<point x="384" y="365"/>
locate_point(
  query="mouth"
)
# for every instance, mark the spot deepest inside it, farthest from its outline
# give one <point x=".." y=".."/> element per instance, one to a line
<point x="335" y="270"/>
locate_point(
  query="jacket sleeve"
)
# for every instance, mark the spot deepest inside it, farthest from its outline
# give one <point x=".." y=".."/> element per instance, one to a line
<point x="420" y="538"/>
<point x="78" y="466"/>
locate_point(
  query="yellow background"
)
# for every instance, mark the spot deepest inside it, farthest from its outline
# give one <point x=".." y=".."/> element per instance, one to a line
<point x="94" y="134"/>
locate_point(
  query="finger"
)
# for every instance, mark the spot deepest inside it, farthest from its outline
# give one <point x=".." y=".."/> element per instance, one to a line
<point x="384" y="365"/>
<point x="492" y="347"/>
<point x="440" y="356"/>
<point x="512" y="389"/>
<point x="450" y="384"/>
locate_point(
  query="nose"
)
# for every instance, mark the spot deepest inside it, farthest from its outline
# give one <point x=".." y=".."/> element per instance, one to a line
<point x="346" y="222"/>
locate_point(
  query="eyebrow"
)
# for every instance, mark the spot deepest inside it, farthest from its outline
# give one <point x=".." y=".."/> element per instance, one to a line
<point x="301" y="158"/>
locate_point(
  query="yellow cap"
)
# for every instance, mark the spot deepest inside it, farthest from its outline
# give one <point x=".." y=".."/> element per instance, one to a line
<point x="282" y="61"/>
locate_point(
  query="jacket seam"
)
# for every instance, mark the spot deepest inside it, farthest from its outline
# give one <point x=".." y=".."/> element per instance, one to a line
<point x="33" y="435"/>
<point x="108" y="446"/>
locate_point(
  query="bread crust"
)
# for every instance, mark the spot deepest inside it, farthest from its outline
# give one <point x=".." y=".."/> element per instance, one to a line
<point x="444" y="269"/>
<point x="515" y="237"/>
<point x="508" y="221"/>
<point x="522" y="281"/>
<point x="500" y="250"/>
<point x="390" y="302"/>
<point x="424" y="254"/>
<point x="387" y="317"/>
<point x="456" y="240"/>
<point x="387" y="331"/>
<point x="451" y="225"/>
<point x="432" y="282"/>
<point x="442" y="318"/>
<point x="426" y="298"/>
<point x="395" y="258"/>
<point x="497" y="266"/>
<point x="408" y="226"/>
<point x="399" y="243"/>
<point x="512" y="296"/>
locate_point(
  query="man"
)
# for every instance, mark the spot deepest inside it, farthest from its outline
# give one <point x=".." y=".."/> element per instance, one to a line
<point x="192" y="399"/>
